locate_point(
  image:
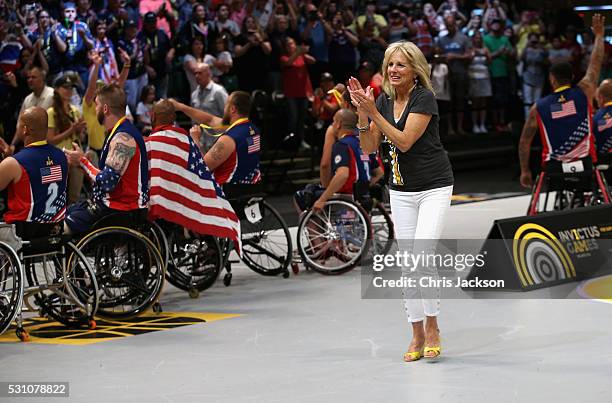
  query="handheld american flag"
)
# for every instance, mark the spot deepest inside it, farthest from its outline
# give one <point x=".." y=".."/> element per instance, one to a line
<point x="183" y="190"/>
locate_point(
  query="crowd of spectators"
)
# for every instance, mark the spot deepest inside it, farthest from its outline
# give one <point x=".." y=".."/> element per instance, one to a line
<point x="486" y="56"/>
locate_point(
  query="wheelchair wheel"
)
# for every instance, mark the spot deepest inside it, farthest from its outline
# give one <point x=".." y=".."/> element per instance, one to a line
<point x="157" y="235"/>
<point x="69" y="290"/>
<point x="383" y="231"/>
<point x="194" y="260"/>
<point x="129" y="270"/>
<point x="334" y="240"/>
<point x="11" y="286"/>
<point x="266" y="242"/>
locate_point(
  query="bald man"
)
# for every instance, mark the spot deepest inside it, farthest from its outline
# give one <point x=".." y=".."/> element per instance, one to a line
<point x="348" y="165"/>
<point x="36" y="176"/>
<point x="602" y="121"/>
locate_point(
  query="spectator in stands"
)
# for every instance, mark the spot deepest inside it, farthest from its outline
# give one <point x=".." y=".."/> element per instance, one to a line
<point x="252" y="57"/>
<point x="84" y="13"/>
<point x="379" y="23"/>
<point x="66" y="128"/>
<point x="575" y="49"/>
<point x="192" y="59"/>
<point x="109" y="71"/>
<point x="325" y="104"/>
<point x="161" y="54"/>
<point x="223" y="25"/>
<point x="440" y="81"/>
<point x="371" y="47"/>
<point x="52" y="43"/>
<point x="196" y="27"/>
<point x="41" y="95"/>
<point x="315" y="31"/>
<point x="296" y="86"/>
<point x="480" y="83"/>
<point x="493" y="11"/>
<point x="535" y="61"/>
<point x="457" y="49"/>
<point x="161" y="11"/>
<point x="474" y="25"/>
<point x="342" y="50"/>
<point x="558" y="54"/>
<point x="143" y="109"/>
<point x="501" y="53"/>
<point x="116" y="18"/>
<point x="283" y="29"/>
<point x="587" y="49"/>
<point x="136" y="48"/>
<point x="420" y="32"/>
<point x="436" y="22"/>
<point x="262" y="12"/>
<point x="530" y="23"/>
<point x="208" y="96"/>
<point x="238" y="11"/>
<point x="368" y="77"/>
<point x="184" y="9"/>
<point x="452" y="7"/>
<point x="398" y="26"/>
<point x="220" y="59"/>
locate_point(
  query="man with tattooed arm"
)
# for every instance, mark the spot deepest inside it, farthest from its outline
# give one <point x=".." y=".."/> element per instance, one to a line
<point x="121" y="183"/>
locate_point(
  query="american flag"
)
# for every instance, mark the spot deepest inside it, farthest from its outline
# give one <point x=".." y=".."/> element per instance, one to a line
<point x="51" y="174"/>
<point x="254" y="144"/>
<point x="576" y="146"/>
<point x="605" y="123"/>
<point x="563" y="109"/>
<point x="183" y="190"/>
<point x="54" y="212"/>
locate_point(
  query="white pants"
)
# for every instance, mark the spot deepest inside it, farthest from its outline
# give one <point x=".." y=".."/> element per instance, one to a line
<point x="420" y="216"/>
<point x="530" y="96"/>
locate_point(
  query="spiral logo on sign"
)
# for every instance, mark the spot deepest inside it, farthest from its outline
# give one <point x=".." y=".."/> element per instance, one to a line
<point x="539" y="257"/>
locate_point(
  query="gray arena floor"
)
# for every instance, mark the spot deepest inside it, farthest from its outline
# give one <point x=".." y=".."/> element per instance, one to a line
<point x="312" y="338"/>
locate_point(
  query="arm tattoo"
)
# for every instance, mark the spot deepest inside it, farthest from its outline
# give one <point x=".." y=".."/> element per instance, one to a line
<point x="121" y="153"/>
<point x="217" y="151"/>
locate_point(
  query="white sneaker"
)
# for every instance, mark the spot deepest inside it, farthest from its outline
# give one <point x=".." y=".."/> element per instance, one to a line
<point x="304" y="145"/>
<point x="476" y="129"/>
<point x="483" y="129"/>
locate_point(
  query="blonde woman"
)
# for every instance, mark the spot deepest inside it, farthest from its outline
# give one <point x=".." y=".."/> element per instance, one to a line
<point x="405" y="117"/>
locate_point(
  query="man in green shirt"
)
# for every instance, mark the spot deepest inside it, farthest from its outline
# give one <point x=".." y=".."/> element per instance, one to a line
<point x="501" y="52"/>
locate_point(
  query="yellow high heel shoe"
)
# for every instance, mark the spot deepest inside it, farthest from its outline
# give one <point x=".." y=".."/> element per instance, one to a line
<point x="410" y="356"/>
<point x="433" y="351"/>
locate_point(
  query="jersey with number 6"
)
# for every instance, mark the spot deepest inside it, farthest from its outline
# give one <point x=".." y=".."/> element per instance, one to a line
<point x="40" y="194"/>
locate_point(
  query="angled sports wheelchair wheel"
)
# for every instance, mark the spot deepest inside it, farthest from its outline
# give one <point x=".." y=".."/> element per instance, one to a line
<point x="129" y="270"/>
<point x="68" y="287"/>
<point x="194" y="261"/>
<point x="11" y="286"/>
<point x="266" y="242"/>
<point x="383" y="231"/>
<point x="334" y="240"/>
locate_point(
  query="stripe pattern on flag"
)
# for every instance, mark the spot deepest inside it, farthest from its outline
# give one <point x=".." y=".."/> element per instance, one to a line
<point x="183" y="190"/>
<point x="51" y="174"/>
<point x="563" y="109"/>
<point x="253" y="144"/>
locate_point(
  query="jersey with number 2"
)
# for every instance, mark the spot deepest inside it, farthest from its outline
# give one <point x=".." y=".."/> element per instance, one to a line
<point x="40" y="194"/>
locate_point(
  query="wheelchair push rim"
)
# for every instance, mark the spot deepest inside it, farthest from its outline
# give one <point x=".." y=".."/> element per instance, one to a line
<point x="11" y="286"/>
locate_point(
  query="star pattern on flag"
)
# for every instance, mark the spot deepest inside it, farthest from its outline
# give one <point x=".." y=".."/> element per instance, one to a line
<point x="576" y="137"/>
<point x="58" y="205"/>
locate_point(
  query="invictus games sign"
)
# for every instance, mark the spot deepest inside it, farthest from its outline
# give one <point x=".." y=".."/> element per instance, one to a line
<point x="548" y="249"/>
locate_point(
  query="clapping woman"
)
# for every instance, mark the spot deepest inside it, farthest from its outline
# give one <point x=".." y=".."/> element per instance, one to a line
<point x="406" y="117"/>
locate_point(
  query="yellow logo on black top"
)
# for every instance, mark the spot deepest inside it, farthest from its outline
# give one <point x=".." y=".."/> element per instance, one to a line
<point x="49" y="161"/>
<point x="561" y="99"/>
<point x="251" y="131"/>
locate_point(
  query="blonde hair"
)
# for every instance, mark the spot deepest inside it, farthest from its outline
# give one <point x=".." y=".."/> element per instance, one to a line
<point x="416" y="60"/>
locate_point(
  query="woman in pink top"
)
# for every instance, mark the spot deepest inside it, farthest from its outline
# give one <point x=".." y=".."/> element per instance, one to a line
<point x="296" y="85"/>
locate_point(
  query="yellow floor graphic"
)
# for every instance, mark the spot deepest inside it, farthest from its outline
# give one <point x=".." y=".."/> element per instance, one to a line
<point x="599" y="289"/>
<point x="45" y="331"/>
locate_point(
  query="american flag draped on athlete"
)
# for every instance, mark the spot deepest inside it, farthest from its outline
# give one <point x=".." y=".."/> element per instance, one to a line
<point x="183" y="190"/>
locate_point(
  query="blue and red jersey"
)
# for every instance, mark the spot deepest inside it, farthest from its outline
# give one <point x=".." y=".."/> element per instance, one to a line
<point x="40" y="194"/>
<point x="346" y="152"/>
<point x="132" y="190"/>
<point x="564" y="119"/>
<point x="602" y="127"/>
<point x="242" y="166"/>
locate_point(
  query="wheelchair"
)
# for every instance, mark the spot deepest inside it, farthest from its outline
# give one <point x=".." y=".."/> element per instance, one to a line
<point x="61" y="283"/>
<point x="266" y="241"/>
<point x="124" y="249"/>
<point x="576" y="184"/>
<point x="348" y="230"/>
<point x="193" y="261"/>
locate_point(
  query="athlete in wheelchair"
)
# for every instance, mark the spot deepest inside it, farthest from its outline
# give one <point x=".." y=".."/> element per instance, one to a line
<point x="60" y="282"/>
<point x="568" y="154"/>
<point x="110" y="226"/>
<point x="602" y="126"/>
<point x="234" y="161"/>
<point x="336" y="220"/>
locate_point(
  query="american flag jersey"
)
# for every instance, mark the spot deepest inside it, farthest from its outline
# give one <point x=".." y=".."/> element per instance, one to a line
<point x="564" y="119"/>
<point x="40" y="194"/>
<point x="242" y="166"/>
<point x="132" y="191"/>
<point x="183" y="190"/>
<point x="602" y="127"/>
